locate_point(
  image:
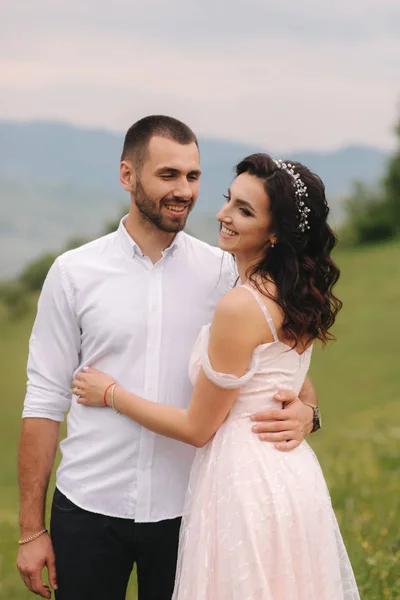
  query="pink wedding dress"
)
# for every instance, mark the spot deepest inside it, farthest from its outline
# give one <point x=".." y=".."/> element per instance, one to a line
<point x="258" y="523"/>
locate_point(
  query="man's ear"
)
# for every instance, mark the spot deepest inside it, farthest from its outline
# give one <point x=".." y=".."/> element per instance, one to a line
<point x="127" y="176"/>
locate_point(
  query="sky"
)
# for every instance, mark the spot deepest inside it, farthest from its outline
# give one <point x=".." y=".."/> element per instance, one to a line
<point x="288" y="75"/>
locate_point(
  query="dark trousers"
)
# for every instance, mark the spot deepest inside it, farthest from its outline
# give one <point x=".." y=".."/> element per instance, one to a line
<point x="95" y="554"/>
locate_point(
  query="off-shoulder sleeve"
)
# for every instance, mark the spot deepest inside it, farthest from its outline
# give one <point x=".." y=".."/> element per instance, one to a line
<point x="223" y="380"/>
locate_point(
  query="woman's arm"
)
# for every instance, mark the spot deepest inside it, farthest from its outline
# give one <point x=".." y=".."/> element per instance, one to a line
<point x="234" y="335"/>
<point x="209" y="403"/>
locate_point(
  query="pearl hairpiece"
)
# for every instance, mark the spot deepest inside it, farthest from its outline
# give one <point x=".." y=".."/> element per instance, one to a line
<point x="300" y="193"/>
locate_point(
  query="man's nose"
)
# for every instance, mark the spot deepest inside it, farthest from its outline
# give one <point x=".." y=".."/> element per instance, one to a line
<point x="183" y="190"/>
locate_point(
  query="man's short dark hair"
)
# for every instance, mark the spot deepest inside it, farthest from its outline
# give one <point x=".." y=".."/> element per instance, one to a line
<point x="140" y="133"/>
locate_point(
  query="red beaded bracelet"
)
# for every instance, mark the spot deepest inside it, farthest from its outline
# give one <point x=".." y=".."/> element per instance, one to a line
<point x="105" y="393"/>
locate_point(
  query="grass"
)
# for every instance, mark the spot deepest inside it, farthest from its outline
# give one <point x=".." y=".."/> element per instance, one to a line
<point x="358" y="381"/>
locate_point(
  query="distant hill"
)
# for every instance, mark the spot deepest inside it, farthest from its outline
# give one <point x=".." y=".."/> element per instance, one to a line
<point x="59" y="181"/>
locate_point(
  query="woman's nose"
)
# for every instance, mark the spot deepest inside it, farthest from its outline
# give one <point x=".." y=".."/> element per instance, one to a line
<point x="223" y="215"/>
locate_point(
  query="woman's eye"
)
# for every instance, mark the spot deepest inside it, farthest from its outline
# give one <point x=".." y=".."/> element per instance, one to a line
<point x="226" y="197"/>
<point x="245" y="212"/>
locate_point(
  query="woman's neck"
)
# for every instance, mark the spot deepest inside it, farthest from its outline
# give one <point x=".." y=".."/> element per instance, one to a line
<point x="244" y="266"/>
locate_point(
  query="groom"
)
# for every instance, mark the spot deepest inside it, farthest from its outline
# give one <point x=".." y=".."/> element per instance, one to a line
<point x="131" y="304"/>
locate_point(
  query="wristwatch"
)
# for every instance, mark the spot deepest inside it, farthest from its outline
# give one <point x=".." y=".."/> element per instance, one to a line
<point x="317" y="422"/>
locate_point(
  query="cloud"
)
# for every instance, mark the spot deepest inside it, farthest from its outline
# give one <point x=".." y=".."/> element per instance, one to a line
<point x="286" y="75"/>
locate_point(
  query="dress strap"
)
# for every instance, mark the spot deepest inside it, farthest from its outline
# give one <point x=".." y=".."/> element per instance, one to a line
<point x="264" y="309"/>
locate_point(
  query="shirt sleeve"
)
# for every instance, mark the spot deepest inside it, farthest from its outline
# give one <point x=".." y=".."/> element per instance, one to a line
<point x="231" y="270"/>
<point x="54" y="350"/>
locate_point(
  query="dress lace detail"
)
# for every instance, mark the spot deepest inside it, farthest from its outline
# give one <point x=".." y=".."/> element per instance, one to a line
<point x="258" y="523"/>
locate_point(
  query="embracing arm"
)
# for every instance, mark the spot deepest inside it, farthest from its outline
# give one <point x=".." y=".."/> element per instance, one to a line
<point x="287" y="427"/>
<point x="230" y="349"/>
<point x="307" y="393"/>
<point x="308" y="396"/>
<point x="195" y="425"/>
<point x="300" y="411"/>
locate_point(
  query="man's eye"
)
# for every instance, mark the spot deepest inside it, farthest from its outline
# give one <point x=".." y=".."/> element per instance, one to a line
<point x="227" y="198"/>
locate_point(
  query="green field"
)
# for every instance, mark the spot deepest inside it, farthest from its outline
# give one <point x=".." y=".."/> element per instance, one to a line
<point x="358" y="381"/>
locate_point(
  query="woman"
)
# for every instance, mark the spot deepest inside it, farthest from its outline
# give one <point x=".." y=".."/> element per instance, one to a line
<point x="258" y="522"/>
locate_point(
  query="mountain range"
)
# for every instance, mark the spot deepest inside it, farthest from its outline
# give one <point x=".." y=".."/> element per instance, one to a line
<point x="59" y="181"/>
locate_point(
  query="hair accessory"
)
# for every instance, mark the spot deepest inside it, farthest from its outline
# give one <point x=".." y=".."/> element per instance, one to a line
<point x="300" y="193"/>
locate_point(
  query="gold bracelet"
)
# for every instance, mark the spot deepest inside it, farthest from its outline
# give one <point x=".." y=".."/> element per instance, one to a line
<point x="32" y="537"/>
<point x="112" y="399"/>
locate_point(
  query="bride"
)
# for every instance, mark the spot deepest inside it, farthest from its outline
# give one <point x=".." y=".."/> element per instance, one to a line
<point x="258" y="523"/>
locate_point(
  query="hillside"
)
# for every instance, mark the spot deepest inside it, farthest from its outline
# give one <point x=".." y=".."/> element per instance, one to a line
<point x="358" y="382"/>
<point x="58" y="181"/>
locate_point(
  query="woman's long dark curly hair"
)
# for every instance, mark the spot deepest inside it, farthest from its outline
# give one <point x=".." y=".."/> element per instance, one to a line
<point x="300" y="264"/>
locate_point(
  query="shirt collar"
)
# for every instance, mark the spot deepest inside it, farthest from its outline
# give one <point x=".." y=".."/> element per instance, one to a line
<point x="130" y="246"/>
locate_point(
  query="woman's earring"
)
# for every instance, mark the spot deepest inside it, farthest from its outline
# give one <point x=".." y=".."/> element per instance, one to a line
<point x="272" y="244"/>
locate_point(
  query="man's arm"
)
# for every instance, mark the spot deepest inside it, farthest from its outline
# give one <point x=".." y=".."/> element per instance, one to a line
<point x="37" y="450"/>
<point x="287" y="427"/>
<point x="53" y="356"/>
<point x="307" y="393"/>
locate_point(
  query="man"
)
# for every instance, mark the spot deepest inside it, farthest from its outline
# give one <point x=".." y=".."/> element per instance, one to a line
<point x="131" y="304"/>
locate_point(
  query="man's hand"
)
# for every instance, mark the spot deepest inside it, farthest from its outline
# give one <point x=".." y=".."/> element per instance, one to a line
<point x="31" y="560"/>
<point x="287" y="427"/>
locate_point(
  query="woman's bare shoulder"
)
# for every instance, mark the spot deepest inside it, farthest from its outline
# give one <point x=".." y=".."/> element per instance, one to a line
<point x="237" y="316"/>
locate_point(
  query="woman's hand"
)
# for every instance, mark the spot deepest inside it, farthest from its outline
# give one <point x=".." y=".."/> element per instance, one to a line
<point x="90" y="385"/>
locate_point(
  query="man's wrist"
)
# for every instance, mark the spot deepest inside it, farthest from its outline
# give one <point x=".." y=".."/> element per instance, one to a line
<point x="316" y="417"/>
<point x="28" y="529"/>
<point x="31" y="538"/>
<point x="309" y="424"/>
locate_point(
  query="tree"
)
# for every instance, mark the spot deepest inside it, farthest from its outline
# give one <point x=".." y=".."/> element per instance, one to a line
<point x="14" y="297"/>
<point x="111" y="226"/>
<point x="375" y="215"/>
<point x="392" y="184"/>
<point x="34" y="274"/>
<point x="368" y="216"/>
<point x="75" y="243"/>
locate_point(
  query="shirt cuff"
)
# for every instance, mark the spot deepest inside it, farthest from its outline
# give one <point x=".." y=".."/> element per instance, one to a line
<point x="29" y="413"/>
<point x="39" y="408"/>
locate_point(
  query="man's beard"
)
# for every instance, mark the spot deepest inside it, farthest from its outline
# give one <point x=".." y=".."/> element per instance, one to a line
<point x="151" y="212"/>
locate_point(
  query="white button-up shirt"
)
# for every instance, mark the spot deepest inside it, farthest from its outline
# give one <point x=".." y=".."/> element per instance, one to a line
<point x="106" y="305"/>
